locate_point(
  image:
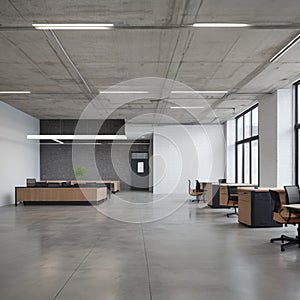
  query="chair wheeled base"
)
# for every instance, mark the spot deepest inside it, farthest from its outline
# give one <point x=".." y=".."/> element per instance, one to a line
<point x="290" y="240"/>
<point x="232" y="213"/>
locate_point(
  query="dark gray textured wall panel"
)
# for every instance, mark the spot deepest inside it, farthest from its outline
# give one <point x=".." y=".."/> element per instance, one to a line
<point x="56" y="162"/>
<point x="87" y="126"/>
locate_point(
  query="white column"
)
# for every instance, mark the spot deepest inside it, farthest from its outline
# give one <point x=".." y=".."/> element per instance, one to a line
<point x="230" y="151"/>
<point x="276" y="139"/>
<point x="285" y="137"/>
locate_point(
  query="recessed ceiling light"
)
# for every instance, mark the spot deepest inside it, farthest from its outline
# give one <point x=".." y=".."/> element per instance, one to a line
<point x="199" y="92"/>
<point x="124" y="92"/>
<point x="15" y="92"/>
<point x="73" y="26"/>
<point x="286" y="48"/>
<point x="221" y="25"/>
<point x="185" y="107"/>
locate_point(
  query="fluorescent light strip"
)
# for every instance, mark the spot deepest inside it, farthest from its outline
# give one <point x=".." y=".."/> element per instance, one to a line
<point x="185" y="107"/>
<point x="71" y="144"/>
<point x="75" y="137"/>
<point x="15" y="92"/>
<point x="221" y="25"/>
<point x="199" y="92"/>
<point x="58" y="141"/>
<point x="124" y="92"/>
<point x="285" y="48"/>
<point x="73" y="26"/>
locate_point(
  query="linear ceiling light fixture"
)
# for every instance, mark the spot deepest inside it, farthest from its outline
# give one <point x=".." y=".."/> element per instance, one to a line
<point x="76" y="137"/>
<point x="221" y="25"/>
<point x="186" y="107"/>
<point x="73" y="26"/>
<point x="199" y="92"/>
<point x="286" y="48"/>
<point x="15" y="92"/>
<point x="124" y="92"/>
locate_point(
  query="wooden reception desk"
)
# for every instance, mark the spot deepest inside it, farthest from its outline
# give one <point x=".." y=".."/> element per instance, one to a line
<point x="60" y="194"/>
<point x="115" y="184"/>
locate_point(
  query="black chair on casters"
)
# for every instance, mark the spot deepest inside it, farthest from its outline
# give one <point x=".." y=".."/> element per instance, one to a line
<point x="232" y="199"/>
<point x="196" y="192"/>
<point x="283" y="216"/>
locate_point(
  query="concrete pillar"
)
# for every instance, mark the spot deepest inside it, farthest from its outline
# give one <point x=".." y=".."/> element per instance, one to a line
<point x="276" y="139"/>
<point x="230" y="150"/>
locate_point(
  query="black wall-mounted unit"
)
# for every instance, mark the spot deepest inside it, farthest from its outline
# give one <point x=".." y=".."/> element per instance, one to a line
<point x="87" y="126"/>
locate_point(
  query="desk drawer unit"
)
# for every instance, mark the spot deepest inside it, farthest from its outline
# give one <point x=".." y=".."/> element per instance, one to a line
<point x="223" y="196"/>
<point x="256" y="209"/>
<point x="245" y="207"/>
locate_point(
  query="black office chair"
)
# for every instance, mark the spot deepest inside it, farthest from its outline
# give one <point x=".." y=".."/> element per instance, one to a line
<point x="292" y="194"/>
<point x="222" y="180"/>
<point x="194" y="192"/>
<point x="282" y="216"/>
<point x="277" y="210"/>
<point x="232" y="199"/>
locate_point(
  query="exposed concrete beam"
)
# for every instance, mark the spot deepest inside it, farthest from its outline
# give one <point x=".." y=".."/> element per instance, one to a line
<point x="68" y="64"/>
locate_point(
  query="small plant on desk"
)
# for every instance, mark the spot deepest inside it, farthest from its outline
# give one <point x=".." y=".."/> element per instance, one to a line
<point x="79" y="172"/>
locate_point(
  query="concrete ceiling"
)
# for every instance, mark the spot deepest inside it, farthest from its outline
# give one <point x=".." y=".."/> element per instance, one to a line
<point x="64" y="70"/>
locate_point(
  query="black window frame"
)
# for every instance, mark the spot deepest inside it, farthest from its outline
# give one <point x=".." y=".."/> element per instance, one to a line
<point x="244" y="141"/>
<point x="296" y="86"/>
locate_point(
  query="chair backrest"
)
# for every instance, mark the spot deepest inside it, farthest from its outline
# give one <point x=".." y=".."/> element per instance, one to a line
<point x="222" y="180"/>
<point x="189" y="186"/>
<point x="292" y="194"/>
<point x="276" y="200"/>
<point x="232" y="191"/>
<point x="198" y="187"/>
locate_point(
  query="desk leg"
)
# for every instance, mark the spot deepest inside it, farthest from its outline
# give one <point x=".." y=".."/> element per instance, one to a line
<point x="16" y="197"/>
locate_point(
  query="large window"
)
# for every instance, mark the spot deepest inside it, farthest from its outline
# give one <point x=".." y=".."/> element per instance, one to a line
<point x="247" y="159"/>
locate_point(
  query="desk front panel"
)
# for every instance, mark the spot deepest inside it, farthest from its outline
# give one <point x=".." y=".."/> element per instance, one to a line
<point x="60" y="194"/>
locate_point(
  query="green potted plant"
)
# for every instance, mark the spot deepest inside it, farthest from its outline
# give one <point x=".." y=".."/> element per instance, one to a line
<point x="79" y="172"/>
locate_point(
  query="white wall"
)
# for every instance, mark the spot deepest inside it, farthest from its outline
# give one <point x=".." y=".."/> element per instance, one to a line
<point x="187" y="152"/>
<point x="19" y="158"/>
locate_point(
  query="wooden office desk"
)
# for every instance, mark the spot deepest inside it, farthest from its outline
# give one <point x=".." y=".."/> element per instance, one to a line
<point x="217" y="195"/>
<point x="224" y="192"/>
<point x="212" y="194"/>
<point x="59" y="194"/>
<point x="256" y="207"/>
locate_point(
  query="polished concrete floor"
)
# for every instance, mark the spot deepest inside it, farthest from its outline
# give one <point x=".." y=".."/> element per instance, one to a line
<point x="192" y="252"/>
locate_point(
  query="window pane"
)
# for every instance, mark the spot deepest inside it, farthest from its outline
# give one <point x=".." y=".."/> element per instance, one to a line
<point x="247" y="125"/>
<point x="255" y="121"/>
<point x="254" y="162"/>
<point x="247" y="163"/>
<point x="240" y="164"/>
<point x="240" y="128"/>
